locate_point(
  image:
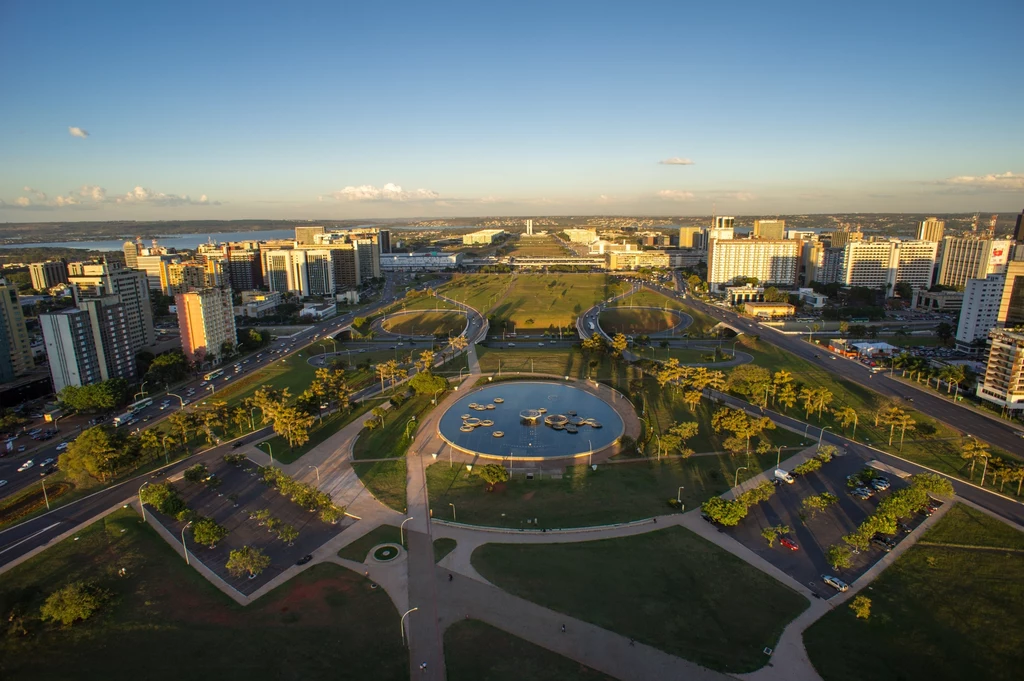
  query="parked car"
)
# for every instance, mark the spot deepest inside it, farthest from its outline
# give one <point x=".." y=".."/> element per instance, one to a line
<point x="784" y="476"/>
<point x="883" y="543"/>
<point x="879" y="484"/>
<point x="789" y="544"/>
<point x="835" y="583"/>
<point x="305" y="559"/>
<point x="862" y="493"/>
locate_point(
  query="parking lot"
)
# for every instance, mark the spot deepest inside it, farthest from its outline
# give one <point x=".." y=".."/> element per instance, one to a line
<point x="230" y="504"/>
<point x="814" y="535"/>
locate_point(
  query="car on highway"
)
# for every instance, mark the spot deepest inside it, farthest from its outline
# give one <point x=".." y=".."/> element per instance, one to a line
<point x="46" y="462"/>
<point x="836" y="583"/>
<point x="2" y="483"/>
<point x="789" y="544"/>
<point x="62" y="446"/>
<point x="21" y="448"/>
<point x="25" y="466"/>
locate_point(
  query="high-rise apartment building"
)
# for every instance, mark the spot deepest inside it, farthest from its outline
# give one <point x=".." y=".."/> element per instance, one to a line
<point x="689" y="237"/>
<point x="883" y="264"/>
<point x="157" y="269"/>
<point x="812" y="262"/>
<point x="108" y="320"/>
<point x="384" y="238"/>
<point x="966" y="258"/>
<point x="206" y="321"/>
<point x="92" y="280"/>
<point x="46" y="275"/>
<point x="70" y="348"/>
<point x="245" y="271"/>
<point x="723" y="222"/>
<point x="716" y="234"/>
<point x="6" y="367"/>
<point x="931" y="229"/>
<point x="841" y="237"/>
<point x="19" y="348"/>
<point x="185" y="276"/>
<point x="1018" y="230"/>
<point x="1011" y="301"/>
<point x="132" y="250"/>
<point x="769" y="229"/>
<point x="979" y="312"/>
<point x="832" y="266"/>
<point x="772" y="262"/>
<point x="306" y="236"/>
<point x="1003" y="383"/>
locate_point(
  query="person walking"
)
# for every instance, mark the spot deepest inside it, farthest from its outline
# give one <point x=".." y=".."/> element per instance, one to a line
<point x="450" y="578"/>
<point x="563" y="628"/>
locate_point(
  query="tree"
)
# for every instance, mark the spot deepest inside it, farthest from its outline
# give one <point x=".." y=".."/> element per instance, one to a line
<point x="787" y="396"/>
<point x="426" y="383"/>
<point x="619" y="344"/>
<point x="103" y="396"/>
<point x="207" y="532"/>
<point x="861" y="607"/>
<point x="98" y="453"/>
<point x="839" y="556"/>
<point x="772" y="533"/>
<point x="818" y="502"/>
<point x="846" y="416"/>
<point x="974" y="451"/>
<point x="459" y="344"/>
<point x="945" y="331"/>
<point x="725" y="513"/>
<point x="293" y="425"/>
<point x="677" y="436"/>
<point x="288" y="534"/>
<point x="595" y="343"/>
<point x="904" y="290"/>
<point x="692" y="399"/>
<point x="76" y="601"/>
<point x="196" y="473"/>
<point x="751" y="381"/>
<point x="905" y="422"/>
<point x="247" y="559"/>
<point x="492" y="474"/>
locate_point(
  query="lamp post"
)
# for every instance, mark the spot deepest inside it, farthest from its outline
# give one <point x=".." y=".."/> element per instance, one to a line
<point x="47" y="499"/>
<point x="453" y="512"/>
<point x="408" y="423"/>
<point x="252" y="418"/>
<point x="809" y="331"/>
<point x="183" y="546"/>
<point x="317" y="469"/>
<point x="402" y="622"/>
<point x="822" y="433"/>
<point x="401" y="530"/>
<point x="181" y="404"/>
<point x="679" y="495"/>
<point x="736" y="478"/>
<point x="270" y="449"/>
<point x="142" y="390"/>
<point x="433" y="400"/>
<point x="142" y="504"/>
<point x="590" y="453"/>
<point x="778" y="459"/>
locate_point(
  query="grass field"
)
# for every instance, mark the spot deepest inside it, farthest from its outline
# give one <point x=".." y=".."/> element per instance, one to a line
<point x="939" y="612"/>
<point x="615" y="492"/>
<point x="636" y="320"/>
<point x="427" y="323"/>
<point x="165" y="608"/>
<point x="479" y="291"/>
<point x="684" y="355"/>
<point x="393" y="439"/>
<point x="475" y="651"/>
<point x="442" y="547"/>
<point x="669" y="589"/>
<point x="358" y="550"/>
<point x="537" y="302"/>
<point x="385" y="480"/>
<point x="541" y="246"/>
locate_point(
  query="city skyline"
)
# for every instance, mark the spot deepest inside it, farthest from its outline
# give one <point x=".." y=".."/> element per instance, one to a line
<point x="342" y="112"/>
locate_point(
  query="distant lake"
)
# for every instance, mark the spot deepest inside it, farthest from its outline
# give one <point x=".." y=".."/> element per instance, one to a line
<point x="191" y="241"/>
<point x="180" y="241"/>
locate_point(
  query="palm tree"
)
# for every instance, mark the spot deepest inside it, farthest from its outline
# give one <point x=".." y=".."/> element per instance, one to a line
<point x="972" y="451"/>
<point x="787" y="396"/>
<point x="807" y="396"/>
<point x="906" y="422"/>
<point x="845" y="416"/>
<point x="822" y="398"/>
<point x="240" y="417"/>
<point x="780" y="379"/>
<point x="692" y="398"/>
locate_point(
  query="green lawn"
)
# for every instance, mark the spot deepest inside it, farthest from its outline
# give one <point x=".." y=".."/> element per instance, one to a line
<point x="165" y="608"/>
<point x="938" y="612"/>
<point x="317" y="435"/>
<point x="537" y="302"/>
<point x="701" y="320"/>
<point x="475" y="651"/>
<point x="540" y="246"/>
<point x="427" y="323"/>
<point x="360" y="548"/>
<point x="684" y="355"/>
<point x="669" y="589"/>
<point x="636" y="320"/>
<point x="615" y="492"/>
<point x="385" y="480"/>
<point x="479" y="291"/>
<point x="394" y="438"/>
<point x="442" y="547"/>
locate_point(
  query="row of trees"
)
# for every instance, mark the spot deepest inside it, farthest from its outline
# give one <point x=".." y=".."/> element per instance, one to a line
<point x="885" y="520"/>
<point x="742" y="426"/>
<point x="730" y="513"/>
<point x="285" y="532"/>
<point x="98" y="397"/>
<point x="302" y="494"/>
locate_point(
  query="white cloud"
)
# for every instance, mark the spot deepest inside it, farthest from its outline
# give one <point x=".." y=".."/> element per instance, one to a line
<point x="675" y="195"/>
<point x="90" y="195"/>
<point x="1000" y="182"/>
<point x="676" y="161"/>
<point x="389" y="192"/>
<point x="77" y="132"/>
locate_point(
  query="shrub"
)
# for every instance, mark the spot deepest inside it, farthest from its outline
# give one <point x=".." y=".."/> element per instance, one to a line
<point x="76" y="601"/>
<point x="861" y="607"/>
<point x="196" y="473"/>
<point x="808" y="466"/>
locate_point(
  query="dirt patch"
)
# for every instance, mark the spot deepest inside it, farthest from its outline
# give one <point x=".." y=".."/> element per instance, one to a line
<point x="31" y="502"/>
<point x="311" y="598"/>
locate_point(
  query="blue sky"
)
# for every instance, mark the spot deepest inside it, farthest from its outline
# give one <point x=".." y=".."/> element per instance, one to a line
<point x="342" y="110"/>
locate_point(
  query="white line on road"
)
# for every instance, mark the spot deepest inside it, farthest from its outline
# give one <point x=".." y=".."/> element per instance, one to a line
<point x="31" y="536"/>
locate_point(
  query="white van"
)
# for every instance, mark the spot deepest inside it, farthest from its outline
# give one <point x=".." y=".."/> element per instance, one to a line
<point x="784" y="476"/>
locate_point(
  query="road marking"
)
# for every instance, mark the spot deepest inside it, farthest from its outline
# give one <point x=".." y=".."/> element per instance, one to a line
<point x="31" y="536"/>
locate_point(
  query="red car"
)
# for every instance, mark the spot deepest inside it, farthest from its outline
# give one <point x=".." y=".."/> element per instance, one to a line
<point x="791" y="545"/>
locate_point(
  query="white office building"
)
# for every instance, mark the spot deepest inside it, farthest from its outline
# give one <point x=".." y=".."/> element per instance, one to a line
<point x="774" y="262"/>
<point x="403" y="262"/>
<point x="883" y="264"/>
<point x="980" y="311"/>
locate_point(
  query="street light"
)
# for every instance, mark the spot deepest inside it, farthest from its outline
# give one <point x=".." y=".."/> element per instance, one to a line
<point x="252" y="418"/>
<point x="270" y="449"/>
<point x="407" y="424"/>
<point x="453" y="512"/>
<point x="433" y="400"/>
<point x="736" y="478"/>
<point x="401" y="531"/>
<point x="142" y="504"/>
<point x="778" y="459"/>
<point x="142" y="391"/>
<point x="679" y="495"/>
<point x="402" y="622"/>
<point x="182" y="402"/>
<point x="822" y="433"/>
<point x="317" y="473"/>
<point x="185" y="548"/>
